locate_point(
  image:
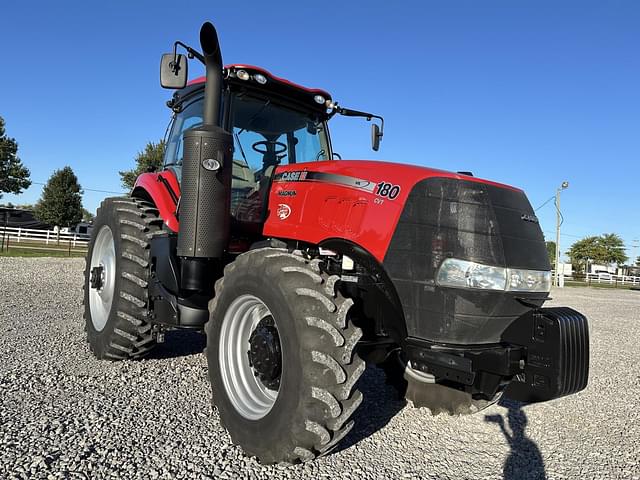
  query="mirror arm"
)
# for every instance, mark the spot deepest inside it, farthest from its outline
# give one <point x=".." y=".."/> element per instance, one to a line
<point x="347" y="112"/>
<point x="190" y="51"/>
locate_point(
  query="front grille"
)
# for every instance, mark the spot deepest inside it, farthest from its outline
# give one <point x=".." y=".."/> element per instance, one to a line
<point x="469" y="220"/>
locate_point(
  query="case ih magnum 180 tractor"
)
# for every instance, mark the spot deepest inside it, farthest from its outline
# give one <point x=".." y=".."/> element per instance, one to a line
<point x="301" y="267"/>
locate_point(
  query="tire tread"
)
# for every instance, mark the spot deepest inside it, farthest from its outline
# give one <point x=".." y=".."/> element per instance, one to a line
<point x="128" y="334"/>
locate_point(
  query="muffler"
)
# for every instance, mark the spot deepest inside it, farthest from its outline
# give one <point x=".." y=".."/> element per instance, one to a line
<point x="206" y="178"/>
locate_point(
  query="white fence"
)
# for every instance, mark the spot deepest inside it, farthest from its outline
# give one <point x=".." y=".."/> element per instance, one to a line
<point x="611" y="279"/>
<point x="603" y="278"/>
<point x="14" y="235"/>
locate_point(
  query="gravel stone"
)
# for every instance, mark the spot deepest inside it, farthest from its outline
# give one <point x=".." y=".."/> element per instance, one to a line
<point x="64" y="414"/>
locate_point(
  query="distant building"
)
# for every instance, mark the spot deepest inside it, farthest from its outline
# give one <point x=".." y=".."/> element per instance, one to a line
<point x="566" y="269"/>
<point x="19" y="218"/>
<point x="594" y="268"/>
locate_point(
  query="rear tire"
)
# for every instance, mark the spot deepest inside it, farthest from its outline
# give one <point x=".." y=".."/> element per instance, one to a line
<point x="314" y="398"/>
<point x="117" y="277"/>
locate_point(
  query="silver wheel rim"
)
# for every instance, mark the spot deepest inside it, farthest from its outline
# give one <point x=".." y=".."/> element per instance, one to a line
<point x="100" y="299"/>
<point x="248" y="395"/>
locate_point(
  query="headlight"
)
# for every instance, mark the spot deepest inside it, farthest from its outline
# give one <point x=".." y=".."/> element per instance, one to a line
<point x="465" y="274"/>
<point x="528" y="280"/>
<point x="461" y="273"/>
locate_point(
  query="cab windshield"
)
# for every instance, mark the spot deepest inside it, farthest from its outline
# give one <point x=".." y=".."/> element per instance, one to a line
<point x="267" y="134"/>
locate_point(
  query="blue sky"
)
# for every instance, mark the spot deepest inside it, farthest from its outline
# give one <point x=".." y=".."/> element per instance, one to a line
<point x="528" y="93"/>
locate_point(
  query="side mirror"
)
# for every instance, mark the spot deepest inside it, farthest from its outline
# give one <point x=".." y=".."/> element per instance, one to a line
<point x="173" y="71"/>
<point x="376" y="136"/>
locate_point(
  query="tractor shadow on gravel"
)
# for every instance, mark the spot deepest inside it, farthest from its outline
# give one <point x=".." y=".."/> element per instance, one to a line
<point x="179" y="343"/>
<point x="380" y="404"/>
<point x="525" y="459"/>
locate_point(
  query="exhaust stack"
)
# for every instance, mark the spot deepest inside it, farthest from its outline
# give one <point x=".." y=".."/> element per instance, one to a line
<point x="206" y="178"/>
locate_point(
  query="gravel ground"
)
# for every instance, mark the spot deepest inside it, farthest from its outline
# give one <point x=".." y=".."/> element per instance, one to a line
<point x="64" y="414"/>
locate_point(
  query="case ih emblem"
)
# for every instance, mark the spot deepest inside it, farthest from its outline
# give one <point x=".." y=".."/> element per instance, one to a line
<point x="283" y="211"/>
<point x="529" y="218"/>
<point x="299" y="176"/>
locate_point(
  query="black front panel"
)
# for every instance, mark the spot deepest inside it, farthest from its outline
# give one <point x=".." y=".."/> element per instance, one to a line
<point x="467" y="220"/>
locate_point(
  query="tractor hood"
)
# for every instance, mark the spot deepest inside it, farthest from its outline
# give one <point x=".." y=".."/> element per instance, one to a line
<point x="410" y="219"/>
<point x="382" y="193"/>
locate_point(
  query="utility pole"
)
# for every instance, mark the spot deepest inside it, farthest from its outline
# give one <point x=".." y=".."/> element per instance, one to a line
<point x="556" y="279"/>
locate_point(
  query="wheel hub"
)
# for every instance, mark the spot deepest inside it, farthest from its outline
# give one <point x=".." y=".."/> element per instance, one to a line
<point x="102" y="277"/>
<point x="97" y="277"/>
<point x="264" y="353"/>
<point x="252" y="389"/>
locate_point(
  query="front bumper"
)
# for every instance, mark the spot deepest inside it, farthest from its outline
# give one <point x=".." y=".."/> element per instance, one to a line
<point x="543" y="355"/>
<point x="557" y="362"/>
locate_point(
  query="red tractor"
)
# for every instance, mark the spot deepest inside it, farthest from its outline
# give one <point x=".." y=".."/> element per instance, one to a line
<point x="301" y="267"/>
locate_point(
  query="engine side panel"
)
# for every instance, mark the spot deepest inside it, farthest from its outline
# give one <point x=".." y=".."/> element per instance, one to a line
<point x="360" y="201"/>
<point x="162" y="187"/>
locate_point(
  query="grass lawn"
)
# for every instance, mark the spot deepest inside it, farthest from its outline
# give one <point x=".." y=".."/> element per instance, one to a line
<point x="40" y="252"/>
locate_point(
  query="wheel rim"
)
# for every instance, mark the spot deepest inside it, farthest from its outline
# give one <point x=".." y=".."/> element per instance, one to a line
<point x="249" y="395"/>
<point x="102" y="276"/>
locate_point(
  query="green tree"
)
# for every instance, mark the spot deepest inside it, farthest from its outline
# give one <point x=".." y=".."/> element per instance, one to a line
<point x="605" y="249"/>
<point x="61" y="201"/>
<point x="150" y="159"/>
<point x="613" y="248"/>
<point x="584" y="250"/>
<point x="87" y="216"/>
<point x="14" y="177"/>
<point x="551" y="252"/>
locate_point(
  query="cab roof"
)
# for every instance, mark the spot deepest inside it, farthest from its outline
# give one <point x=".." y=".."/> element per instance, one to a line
<point x="257" y="79"/>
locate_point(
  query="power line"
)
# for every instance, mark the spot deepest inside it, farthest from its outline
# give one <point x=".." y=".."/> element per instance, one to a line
<point x="88" y="189"/>
<point x="551" y="198"/>
<point x="559" y="213"/>
<point x="565" y="234"/>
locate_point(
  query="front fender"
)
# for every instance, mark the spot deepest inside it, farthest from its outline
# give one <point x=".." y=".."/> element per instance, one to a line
<point x="161" y="188"/>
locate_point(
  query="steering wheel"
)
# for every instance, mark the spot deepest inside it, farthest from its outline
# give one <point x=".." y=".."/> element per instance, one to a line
<point x="267" y="144"/>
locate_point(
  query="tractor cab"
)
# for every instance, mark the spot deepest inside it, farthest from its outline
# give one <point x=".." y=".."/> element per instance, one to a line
<point x="273" y="122"/>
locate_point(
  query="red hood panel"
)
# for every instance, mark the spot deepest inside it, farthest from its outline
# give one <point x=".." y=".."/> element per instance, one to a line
<point x="356" y="200"/>
<point x="398" y="170"/>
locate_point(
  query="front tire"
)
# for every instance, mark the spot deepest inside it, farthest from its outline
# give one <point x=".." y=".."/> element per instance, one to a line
<point x="117" y="277"/>
<point x="269" y="305"/>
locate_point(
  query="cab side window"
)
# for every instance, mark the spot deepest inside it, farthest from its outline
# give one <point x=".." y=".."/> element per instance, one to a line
<point x="189" y="117"/>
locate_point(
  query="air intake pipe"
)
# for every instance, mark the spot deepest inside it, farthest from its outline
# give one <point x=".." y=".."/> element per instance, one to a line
<point x="206" y="179"/>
